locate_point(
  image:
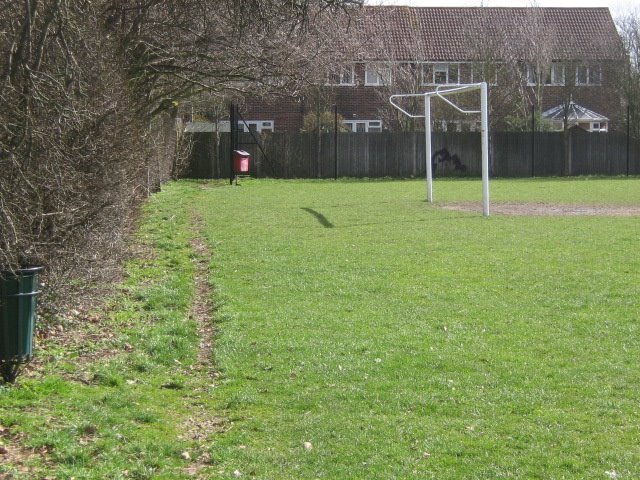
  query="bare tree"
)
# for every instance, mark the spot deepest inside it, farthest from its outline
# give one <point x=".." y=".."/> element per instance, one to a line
<point x="488" y="54"/>
<point x="498" y="61"/>
<point x="629" y="84"/>
<point x="398" y="67"/>
<point x="89" y="93"/>
<point x="535" y="47"/>
<point x="66" y="134"/>
<point x="177" y="48"/>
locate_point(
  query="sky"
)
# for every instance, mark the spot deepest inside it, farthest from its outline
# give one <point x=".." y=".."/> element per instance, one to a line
<point x="617" y="7"/>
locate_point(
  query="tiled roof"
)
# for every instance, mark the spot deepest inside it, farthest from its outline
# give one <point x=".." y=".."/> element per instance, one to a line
<point x="444" y="33"/>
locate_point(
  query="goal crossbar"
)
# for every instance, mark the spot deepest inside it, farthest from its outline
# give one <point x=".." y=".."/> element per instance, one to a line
<point x="484" y="129"/>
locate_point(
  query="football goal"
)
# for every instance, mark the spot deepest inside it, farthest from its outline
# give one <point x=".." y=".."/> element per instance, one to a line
<point x="443" y="93"/>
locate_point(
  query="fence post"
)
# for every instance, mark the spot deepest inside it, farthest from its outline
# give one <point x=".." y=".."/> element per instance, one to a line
<point x="628" y="134"/>
<point x="233" y="127"/>
<point x="335" y="139"/>
<point x="533" y="140"/>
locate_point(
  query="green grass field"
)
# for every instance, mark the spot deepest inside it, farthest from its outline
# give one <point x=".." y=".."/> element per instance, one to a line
<point x="405" y="341"/>
<point x="362" y="333"/>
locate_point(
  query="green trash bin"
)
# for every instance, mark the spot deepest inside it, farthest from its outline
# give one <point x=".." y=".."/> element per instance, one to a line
<point x="18" y="299"/>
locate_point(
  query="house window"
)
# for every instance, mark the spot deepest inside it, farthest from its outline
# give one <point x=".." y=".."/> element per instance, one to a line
<point x="440" y="73"/>
<point x="588" y="75"/>
<point x="553" y="76"/>
<point x="342" y="76"/>
<point x="598" y="127"/>
<point x="484" y="72"/>
<point x="363" y="126"/>
<point x="258" y="126"/>
<point x="557" y="74"/>
<point x="377" y="75"/>
<point x="532" y="77"/>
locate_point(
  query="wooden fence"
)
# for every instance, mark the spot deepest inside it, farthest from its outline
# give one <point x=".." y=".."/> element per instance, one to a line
<point x="402" y="155"/>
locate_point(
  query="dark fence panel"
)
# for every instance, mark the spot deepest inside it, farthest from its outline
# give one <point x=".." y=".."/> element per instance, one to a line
<point x="402" y="155"/>
<point x="599" y="154"/>
<point x="589" y="153"/>
<point x="549" y="154"/>
<point x="512" y="154"/>
<point x="634" y="157"/>
<point x="463" y="150"/>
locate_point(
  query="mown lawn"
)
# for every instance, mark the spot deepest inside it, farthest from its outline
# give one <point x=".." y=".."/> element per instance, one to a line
<point x="361" y="333"/>
<point x="402" y="340"/>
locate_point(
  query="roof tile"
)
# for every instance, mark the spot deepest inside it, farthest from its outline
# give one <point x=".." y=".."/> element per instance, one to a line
<point x="445" y="33"/>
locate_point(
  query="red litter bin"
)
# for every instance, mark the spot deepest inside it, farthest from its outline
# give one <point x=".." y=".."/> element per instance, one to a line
<point x="241" y="161"/>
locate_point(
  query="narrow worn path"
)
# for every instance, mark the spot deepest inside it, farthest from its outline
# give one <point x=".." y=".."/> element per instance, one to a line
<point x="202" y="306"/>
<point x="202" y="422"/>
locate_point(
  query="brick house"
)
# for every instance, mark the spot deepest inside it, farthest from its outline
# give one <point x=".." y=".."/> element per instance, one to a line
<point x="532" y="58"/>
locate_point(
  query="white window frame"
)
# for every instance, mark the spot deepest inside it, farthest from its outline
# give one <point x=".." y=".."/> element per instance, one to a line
<point x="345" y="74"/>
<point x="377" y="75"/>
<point x="556" y="75"/>
<point x="593" y="75"/>
<point x="450" y="70"/>
<point x="260" y="126"/>
<point x="531" y="76"/>
<point x="368" y="125"/>
<point x="598" y="127"/>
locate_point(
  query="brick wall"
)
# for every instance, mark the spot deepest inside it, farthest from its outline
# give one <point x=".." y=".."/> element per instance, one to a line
<point x="360" y="102"/>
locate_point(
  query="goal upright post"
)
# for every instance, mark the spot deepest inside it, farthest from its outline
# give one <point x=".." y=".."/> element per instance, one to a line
<point x="484" y="130"/>
<point x="427" y="142"/>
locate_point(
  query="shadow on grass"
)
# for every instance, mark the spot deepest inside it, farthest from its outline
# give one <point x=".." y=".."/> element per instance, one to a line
<point x="321" y="218"/>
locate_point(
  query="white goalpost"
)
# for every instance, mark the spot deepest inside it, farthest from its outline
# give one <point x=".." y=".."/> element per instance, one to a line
<point x="484" y="130"/>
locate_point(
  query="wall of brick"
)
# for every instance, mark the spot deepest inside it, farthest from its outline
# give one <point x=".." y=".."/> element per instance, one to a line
<point x="361" y="102"/>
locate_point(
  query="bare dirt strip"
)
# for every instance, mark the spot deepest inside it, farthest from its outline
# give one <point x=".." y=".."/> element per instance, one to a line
<point x="201" y="423"/>
<point x="202" y="306"/>
<point x="546" y="209"/>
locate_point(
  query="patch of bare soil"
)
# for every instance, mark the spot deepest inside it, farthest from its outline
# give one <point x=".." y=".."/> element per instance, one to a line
<point x="81" y="329"/>
<point x="11" y="453"/>
<point x="202" y="307"/>
<point x="199" y="427"/>
<point x="201" y="423"/>
<point x="546" y="209"/>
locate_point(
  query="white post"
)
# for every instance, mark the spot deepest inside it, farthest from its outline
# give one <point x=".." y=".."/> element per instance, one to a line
<point x="427" y="138"/>
<point x="484" y="129"/>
